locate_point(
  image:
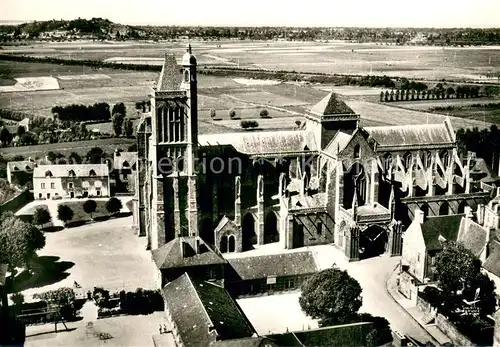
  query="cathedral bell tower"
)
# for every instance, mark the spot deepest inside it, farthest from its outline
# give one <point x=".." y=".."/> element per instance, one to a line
<point x="174" y="107"/>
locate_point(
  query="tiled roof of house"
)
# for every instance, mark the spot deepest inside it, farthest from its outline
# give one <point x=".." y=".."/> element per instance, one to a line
<point x="170" y="77"/>
<point x="348" y="335"/>
<point x="24" y="165"/>
<point x="124" y="160"/>
<point x="492" y="262"/>
<point x="411" y="135"/>
<point x="79" y="170"/>
<point x="260" y="142"/>
<point x="445" y="226"/>
<point x="330" y="105"/>
<point x="472" y="236"/>
<point x="180" y="252"/>
<point x="203" y="310"/>
<point x="285" y="264"/>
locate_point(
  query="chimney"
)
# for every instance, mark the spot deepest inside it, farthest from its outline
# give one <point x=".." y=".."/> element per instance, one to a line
<point x="197" y="246"/>
<point x="419" y="216"/>
<point x="468" y="212"/>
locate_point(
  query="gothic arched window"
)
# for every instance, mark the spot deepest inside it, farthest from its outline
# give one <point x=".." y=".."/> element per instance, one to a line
<point x="427" y="159"/>
<point x="445" y="157"/>
<point x="387" y="161"/>
<point x="407" y="160"/>
<point x="186" y="76"/>
<point x="357" y="152"/>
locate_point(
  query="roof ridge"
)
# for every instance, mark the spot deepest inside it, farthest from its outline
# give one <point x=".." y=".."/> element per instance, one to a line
<point x="201" y="302"/>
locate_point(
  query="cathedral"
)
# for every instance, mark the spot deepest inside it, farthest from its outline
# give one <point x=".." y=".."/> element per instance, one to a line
<point x="330" y="181"/>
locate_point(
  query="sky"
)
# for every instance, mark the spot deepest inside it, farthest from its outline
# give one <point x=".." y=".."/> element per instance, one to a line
<point x="335" y="13"/>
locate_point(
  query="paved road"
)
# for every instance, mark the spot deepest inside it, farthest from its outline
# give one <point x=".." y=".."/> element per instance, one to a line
<point x="372" y="275"/>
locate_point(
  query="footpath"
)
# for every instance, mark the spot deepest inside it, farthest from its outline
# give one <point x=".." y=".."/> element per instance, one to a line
<point x="412" y="309"/>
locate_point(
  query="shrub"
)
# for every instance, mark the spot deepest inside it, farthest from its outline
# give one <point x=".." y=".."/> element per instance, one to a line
<point x="249" y="124"/>
<point x="113" y="205"/>
<point x="17" y="298"/>
<point x="41" y="216"/>
<point x="141" y="301"/>
<point x="213" y="113"/>
<point x="232" y="113"/>
<point x="64" y="213"/>
<point x="264" y="113"/>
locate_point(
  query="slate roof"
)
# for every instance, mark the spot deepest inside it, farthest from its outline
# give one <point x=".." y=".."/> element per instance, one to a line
<point x="246" y="342"/>
<point x="279" y="265"/>
<point x="170" y="255"/>
<point x="260" y="142"/>
<point x="338" y="143"/>
<point x="170" y="76"/>
<point x="492" y="262"/>
<point x="23" y="165"/>
<point x="122" y="159"/>
<point x="331" y="105"/>
<point x="80" y="170"/>
<point x="203" y="310"/>
<point x="482" y="172"/>
<point x="348" y="335"/>
<point x="446" y="226"/>
<point x="411" y="135"/>
<point x="472" y="236"/>
<point x="224" y="220"/>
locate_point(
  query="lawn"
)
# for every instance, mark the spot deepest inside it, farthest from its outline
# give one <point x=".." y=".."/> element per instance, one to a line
<point x="81" y="216"/>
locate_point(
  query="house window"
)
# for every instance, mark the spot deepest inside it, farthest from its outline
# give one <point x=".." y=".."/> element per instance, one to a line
<point x="70" y="185"/>
<point x="186" y="76"/>
<point x="42" y="185"/>
<point x="98" y="192"/>
<point x="92" y="173"/>
<point x="52" y="185"/>
<point x="418" y="257"/>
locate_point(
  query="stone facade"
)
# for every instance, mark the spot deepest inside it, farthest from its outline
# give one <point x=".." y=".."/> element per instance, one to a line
<point x="331" y="181"/>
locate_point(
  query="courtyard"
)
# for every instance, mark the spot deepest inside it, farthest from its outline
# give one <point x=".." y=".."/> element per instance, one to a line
<point x="107" y="254"/>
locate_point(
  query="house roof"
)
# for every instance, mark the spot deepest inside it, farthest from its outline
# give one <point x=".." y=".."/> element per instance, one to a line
<point x="492" y="262"/>
<point x="331" y="105"/>
<point x="411" y="135"/>
<point x="224" y="220"/>
<point x="285" y="264"/>
<point x="473" y="236"/>
<point x="24" y="165"/>
<point x="445" y="226"/>
<point x="260" y="142"/>
<point x="180" y="252"/>
<point x="124" y="160"/>
<point x="348" y="335"/>
<point x="25" y="121"/>
<point x="203" y="310"/>
<point x="246" y="342"/>
<point x="80" y="170"/>
<point x="170" y="77"/>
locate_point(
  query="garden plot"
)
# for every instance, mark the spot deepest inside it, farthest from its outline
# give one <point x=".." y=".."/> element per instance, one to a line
<point x="29" y="84"/>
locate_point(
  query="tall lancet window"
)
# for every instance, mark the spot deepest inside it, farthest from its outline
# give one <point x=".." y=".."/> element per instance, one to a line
<point x="182" y="125"/>
<point x="177" y="124"/>
<point x="159" y="127"/>
<point x="171" y="124"/>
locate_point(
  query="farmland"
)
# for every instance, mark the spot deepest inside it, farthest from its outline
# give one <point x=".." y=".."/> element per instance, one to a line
<point x="285" y="101"/>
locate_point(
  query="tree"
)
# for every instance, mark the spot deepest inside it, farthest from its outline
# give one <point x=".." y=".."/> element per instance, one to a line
<point x="5" y="136"/>
<point x="113" y="205"/>
<point x="119" y="108"/>
<point x="380" y="333"/>
<point x="264" y="113"/>
<point x="20" y="131"/>
<point x="117" y="120"/>
<point x="456" y="268"/>
<point x="64" y="213"/>
<point x="17" y="298"/>
<point x="128" y="127"/>
<point x="74" y="158"/>
<point x="232" y="113"/>
<point x="213" y="113"/>
<point x="95" y="155"/>
<point x="332" y="296"/>
<point x="89" y="207"/>
<point x="41" y="216"/>
<point x="19" y="242"/>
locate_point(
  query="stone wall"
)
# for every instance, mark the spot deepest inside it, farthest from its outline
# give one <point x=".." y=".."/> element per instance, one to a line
<point x="452" y="332"/>
<point x="423" y="305"/>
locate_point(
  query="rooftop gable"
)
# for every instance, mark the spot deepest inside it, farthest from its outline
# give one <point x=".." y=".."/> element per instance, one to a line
<point x="79" y="170"/>
<point x="180" y="252"/>
<point x="472" y="236"/>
